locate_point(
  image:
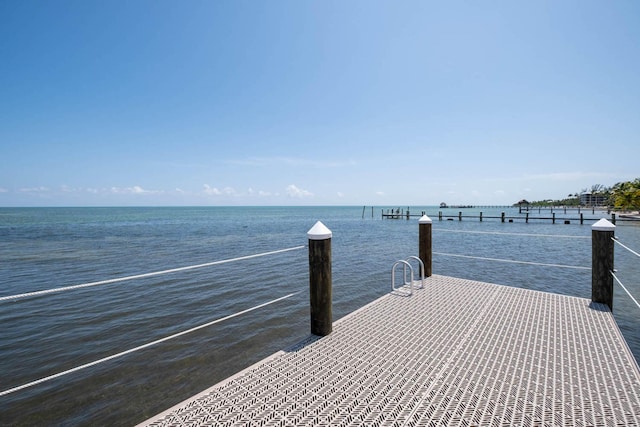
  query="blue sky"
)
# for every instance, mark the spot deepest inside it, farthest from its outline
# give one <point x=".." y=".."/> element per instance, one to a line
<point x="315" y="102"/>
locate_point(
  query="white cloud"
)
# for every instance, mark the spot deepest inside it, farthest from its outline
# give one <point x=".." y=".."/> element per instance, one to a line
<point x="136" y="189"/>
<point x="3" y="190"/>
<point x="215" y="191"/>
<point x="212" y="191"/>
<point x="340" y="194"/>
<point x="34" y="190"/>
<point x="293" y="191"/>
<point x="379" y="193"/>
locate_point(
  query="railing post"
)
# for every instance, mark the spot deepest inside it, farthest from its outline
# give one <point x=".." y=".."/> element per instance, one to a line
<point x="602" y="233"/>
<point x="424" y="242"/>
<point x="320" y="281"/>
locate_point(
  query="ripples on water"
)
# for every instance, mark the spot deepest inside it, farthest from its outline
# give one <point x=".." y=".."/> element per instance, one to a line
<point x="48" y="248"/>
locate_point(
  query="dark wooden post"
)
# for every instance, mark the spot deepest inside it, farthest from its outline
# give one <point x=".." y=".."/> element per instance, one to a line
<point x="553" y="219"/>
<point x="527" y="221"/>
<point x="480" y="216"/>
<point x="502" y="216"/>
<point x="460" y="216"/>
<point x="424" y="238"/>
<point x="602" y="262"/>
<point x="320" y="279"/>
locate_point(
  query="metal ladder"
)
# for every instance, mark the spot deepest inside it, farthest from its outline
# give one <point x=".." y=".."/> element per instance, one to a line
<point x="406" y="265"/>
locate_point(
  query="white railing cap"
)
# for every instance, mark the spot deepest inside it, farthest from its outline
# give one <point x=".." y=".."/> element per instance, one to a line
<point x="603" y="225"/>
<point x="424" y="220"/>
<point x="319" y="232"/>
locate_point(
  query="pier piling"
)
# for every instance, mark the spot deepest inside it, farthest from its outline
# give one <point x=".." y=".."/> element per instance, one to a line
<point x="320" y="280"/>
<point x="424" y="238"/>
<point x="602" y="233"/>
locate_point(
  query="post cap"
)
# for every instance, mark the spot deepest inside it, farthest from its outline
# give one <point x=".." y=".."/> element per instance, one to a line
<point x="319" y="232"/>
<point x="424" y="220"/>
<point x="603" y="225"/>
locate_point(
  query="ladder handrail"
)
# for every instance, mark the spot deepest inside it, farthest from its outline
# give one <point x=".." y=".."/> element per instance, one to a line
<point x="405" y="264"/>
<point x="422" y="270"/>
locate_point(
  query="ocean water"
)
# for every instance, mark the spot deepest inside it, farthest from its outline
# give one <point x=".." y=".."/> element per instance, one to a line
<point x="44" y="248"/>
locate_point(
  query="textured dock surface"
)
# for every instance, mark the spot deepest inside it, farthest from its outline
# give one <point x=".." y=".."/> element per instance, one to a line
<point x="458" y="352"/>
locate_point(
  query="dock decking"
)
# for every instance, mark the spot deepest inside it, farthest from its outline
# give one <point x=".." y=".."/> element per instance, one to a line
<point x="458" y="352"/>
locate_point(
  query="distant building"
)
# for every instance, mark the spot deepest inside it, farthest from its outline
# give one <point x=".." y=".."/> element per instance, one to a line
<point x="589" y="199"/>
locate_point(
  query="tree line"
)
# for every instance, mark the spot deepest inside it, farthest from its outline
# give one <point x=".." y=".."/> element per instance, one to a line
<point x="622" y="196"/>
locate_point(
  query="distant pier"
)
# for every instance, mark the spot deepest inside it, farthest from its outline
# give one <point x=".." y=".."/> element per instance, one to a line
<point x="524" y="215"/>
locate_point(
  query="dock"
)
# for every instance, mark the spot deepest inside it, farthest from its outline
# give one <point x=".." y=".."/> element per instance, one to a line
<point x="523" y="216"/>
<point x="457" y="352"/>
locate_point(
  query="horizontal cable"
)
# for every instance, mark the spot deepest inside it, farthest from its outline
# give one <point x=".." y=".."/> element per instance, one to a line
<point x="514" y="234"/>
<point x="513" y="261"/>
<point x="140" y="276"/>
<point x="627" y="248"/>
<point x="625" y="289"/>
<point x="105" y="359"/>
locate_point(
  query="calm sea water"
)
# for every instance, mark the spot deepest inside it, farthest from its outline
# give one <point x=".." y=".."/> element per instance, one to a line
<point x="43" y="248"/>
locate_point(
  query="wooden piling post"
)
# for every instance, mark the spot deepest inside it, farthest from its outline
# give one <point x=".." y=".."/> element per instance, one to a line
<point x="439" y="215"/>
<point x="480" y="216"/>
<point x="581" y="218"/>
<point x="320" y="281"/>
<point x="424" y="242"/>
<point x="502" y="216"/>
<point x="460" y="216"/>
<point x="553" y="219"/>
<point x="602" y="233"/>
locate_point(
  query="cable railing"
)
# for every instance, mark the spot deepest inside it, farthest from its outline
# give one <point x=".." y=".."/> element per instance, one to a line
<point x="142" y="276"/>
<point x="613" y="272"/>
<point x="512" y="261"/>
<point x="602" y="269"/>
<point x="142" y="347"/>
<point x="152" y="343"/>
<point x="481" y="258"/>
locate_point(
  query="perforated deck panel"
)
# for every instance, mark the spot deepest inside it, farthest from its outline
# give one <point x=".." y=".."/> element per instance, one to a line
<point x="458" y="352"/>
